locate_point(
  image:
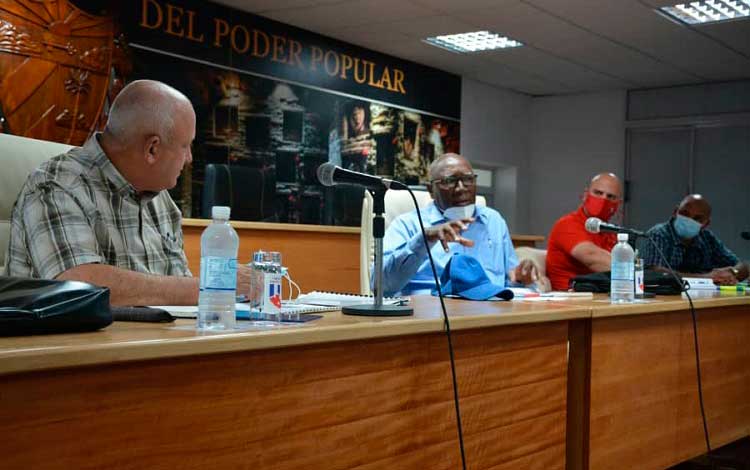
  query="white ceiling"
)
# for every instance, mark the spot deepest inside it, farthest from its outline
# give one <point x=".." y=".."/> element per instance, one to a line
<point x="572" y="46"/>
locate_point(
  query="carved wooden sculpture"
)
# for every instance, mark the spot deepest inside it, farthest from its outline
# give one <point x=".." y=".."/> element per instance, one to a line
<point x="55" y="67"/>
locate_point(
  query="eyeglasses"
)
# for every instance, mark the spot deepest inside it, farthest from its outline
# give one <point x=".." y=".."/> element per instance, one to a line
<point x="450" y="182"/>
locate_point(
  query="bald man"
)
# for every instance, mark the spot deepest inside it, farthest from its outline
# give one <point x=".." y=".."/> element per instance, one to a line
<point x="690" y="248"/>
<point x="571" y="250"/>
<point x="101" y="213"/>
<point x="453" y="224"/>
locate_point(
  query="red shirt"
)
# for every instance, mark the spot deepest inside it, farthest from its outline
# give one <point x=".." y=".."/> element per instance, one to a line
<point x="568" y="232"/>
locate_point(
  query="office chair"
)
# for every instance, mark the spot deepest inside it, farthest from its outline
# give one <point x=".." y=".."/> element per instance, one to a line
<point x="248" y="191"/>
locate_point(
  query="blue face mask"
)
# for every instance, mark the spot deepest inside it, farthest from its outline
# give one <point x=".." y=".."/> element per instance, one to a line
<point x="686" y="227"/>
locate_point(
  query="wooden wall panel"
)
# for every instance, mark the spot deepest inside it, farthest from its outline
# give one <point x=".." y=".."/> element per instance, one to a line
<point x="644" y="400"/>
<point x="370" y="404"/>
<point x="316" y="260"/>
<point x="323" y="259"/>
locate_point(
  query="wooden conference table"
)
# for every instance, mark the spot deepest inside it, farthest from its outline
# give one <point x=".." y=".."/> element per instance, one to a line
<point x="351" y="392"/>
<point x="639" y="407"/>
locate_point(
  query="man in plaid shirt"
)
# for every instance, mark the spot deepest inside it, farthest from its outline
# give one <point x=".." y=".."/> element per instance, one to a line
<point x="101" y="213"/>
<point x="690" y="248"/>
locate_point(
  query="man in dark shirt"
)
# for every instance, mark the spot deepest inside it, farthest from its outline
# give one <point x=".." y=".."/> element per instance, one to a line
<point x="690" y="248"/>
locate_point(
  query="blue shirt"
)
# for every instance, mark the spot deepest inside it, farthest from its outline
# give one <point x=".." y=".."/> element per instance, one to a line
<point x="406" y="267"/>
<point x="704" y="253"/>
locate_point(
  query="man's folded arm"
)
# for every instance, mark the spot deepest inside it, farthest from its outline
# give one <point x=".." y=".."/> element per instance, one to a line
<point x="574" y="240"/>
<point x="403" y="254"/>
<point x="594" y="258"/>
<point x="63" y="246"/>
<point x="513" y="275"/>
<point x="135" y="288"/>
<point x="727" y="259"/>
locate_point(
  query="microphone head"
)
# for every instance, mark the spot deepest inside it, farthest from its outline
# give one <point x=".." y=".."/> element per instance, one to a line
<point x="745" y="235"/>
<point x="592" y="224"/>
<point x="325" y="174"/>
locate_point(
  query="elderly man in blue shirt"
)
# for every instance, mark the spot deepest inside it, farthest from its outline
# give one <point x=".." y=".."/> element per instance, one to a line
<point x="453" y="224"/>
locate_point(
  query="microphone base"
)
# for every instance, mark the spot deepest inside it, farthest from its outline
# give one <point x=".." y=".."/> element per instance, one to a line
<point x="370" y="310"/>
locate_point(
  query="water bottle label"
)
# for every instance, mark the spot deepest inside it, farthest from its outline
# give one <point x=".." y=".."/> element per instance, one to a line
<point x="639" y="281"/>
<point x="271" y="293"/>
<point x="218" y="273"/>
<point x="622" y="271"/>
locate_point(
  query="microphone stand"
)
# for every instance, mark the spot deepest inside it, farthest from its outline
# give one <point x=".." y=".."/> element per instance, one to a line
<point x="377" y="309"/>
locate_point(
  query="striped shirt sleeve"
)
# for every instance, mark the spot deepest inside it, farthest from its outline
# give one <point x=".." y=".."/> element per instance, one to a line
<point x="59" y="232"/>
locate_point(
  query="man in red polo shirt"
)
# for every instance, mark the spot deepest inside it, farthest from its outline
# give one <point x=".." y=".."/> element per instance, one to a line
<point x="571" y="250"/>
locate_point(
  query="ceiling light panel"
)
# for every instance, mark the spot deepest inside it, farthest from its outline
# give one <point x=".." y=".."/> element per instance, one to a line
<point x="476" y="41"/>
<point x="708" y="11"/>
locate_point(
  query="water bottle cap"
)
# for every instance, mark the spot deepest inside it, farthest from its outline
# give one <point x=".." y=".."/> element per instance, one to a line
<point x="220" y="212"/>
<point x="622" y="237"/>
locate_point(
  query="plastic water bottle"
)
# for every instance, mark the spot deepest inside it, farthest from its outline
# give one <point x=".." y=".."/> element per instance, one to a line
<point x="218" y="278"/>
<point x="623" y="258"/>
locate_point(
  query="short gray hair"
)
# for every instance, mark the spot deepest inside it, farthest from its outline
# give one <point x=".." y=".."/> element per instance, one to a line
<point x="145" y="107"/>
<point x="435" y="165"/>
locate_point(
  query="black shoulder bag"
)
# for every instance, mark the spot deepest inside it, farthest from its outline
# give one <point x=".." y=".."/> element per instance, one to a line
<point x="40" y="306"/>
<point x="655" y="282"/>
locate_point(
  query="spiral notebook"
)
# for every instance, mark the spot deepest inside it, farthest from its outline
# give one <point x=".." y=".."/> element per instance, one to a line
<point x="340" y="299"/>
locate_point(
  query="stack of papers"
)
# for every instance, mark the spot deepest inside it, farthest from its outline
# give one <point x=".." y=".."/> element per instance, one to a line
<point x="700" y="283"/>
<point x="338" y="299"/>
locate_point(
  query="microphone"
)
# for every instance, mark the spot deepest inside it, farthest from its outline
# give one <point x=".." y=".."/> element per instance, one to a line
<point x="596" y="225"/>
<point x="330" y="174"/>
<point x="745" y="235"/>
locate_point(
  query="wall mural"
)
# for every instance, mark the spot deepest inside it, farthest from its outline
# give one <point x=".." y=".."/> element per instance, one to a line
<point x="259" y="140"/>
<point x="284" y="132"/>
